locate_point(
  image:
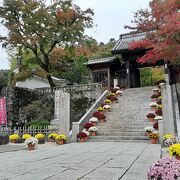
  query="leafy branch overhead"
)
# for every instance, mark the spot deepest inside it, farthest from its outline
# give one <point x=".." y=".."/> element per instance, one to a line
<point x="162" y="22"/>
<point x="47" y="30"/>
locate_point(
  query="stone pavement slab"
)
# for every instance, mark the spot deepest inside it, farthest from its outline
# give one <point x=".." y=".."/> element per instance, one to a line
<point x="80" y="161"/>
<point x="11" y="147"/>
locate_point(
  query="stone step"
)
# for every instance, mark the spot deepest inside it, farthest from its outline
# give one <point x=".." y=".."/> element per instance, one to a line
<point x="119" y="137"/>
<point x="121" y="133"/>
<point x="119" y="140"/>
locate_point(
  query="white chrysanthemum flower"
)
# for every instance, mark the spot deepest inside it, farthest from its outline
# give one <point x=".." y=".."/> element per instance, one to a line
<point x="93" y="129"/>
<point x="93" y="119"/>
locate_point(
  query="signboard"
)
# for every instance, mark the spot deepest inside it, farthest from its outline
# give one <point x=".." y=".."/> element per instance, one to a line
<point x="3" y="117"/>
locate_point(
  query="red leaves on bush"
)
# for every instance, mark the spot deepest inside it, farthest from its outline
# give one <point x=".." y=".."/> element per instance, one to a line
<point x="88" y="125"/>
<point x="81" y="135"/>
<point x="150" y="115"/>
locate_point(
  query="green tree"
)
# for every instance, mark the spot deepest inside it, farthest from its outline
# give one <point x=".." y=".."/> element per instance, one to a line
<point x="47" y="31"/>
<point x="3" y="78"/>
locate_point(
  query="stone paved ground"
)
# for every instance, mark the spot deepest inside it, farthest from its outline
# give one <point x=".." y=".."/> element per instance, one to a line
<point x="10" y="147"/>
<point x="80" y="161"/>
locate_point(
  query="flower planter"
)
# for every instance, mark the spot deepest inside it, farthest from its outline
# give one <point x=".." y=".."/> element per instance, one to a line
<point x="93" y="133"/>
<point x="177" y="157"/>
<point x="60" y="142"/>
<point x="51" y="140"/>
<point x="147" y="133"/>
<point x="31" y="147"/>
<point x="153" y="141"/>
<point x="41" y="141"/>
<point x="154" y="108"/>
<point x="4" y="139"/>
<point x="94" y="123"/>
<point x="151" y="119"/>
<point x="101" y="120"/>
<point x="82" y="140"/>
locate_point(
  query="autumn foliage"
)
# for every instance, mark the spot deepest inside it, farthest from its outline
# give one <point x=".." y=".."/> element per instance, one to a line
<point x="162" y="22"/>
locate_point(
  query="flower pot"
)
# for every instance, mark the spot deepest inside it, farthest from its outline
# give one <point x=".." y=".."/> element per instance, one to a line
<point x="101" y="120"/>
<point x="154" y="108"/>
<point x="82" y="140"/>
<point x="93" y="133"/>
<point x="151" y="120"/>
<point x="31" y="147"/>
<point x="41" y="141"/>
<point x="107" y="110"/>
<point x="60" y="142"/>
<point x="177" y="157"/>
<point x="153" y="141"/>
<point x="51" y="140"/>
<point x="147" y="133"/>
<point x="154" y="99"/>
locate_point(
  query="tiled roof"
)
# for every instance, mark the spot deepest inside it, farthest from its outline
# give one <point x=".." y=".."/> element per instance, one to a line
<point x="126" y="39"/>
<point x="101" y="60"/>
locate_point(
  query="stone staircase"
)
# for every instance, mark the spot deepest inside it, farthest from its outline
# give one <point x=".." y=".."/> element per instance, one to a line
<point x="127" y="120"/>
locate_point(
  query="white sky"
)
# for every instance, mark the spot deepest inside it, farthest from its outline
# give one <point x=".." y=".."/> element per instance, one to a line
<point x="110" y="18"/>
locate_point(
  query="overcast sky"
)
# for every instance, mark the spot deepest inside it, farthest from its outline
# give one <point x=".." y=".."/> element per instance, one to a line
<point x="110" y="18"/>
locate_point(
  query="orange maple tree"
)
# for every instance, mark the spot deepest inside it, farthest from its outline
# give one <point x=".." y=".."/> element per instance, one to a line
<point x="162" y="22"/>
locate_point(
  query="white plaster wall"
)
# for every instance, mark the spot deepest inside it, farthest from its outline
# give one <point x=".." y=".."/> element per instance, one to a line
<point x="33" y="83"/>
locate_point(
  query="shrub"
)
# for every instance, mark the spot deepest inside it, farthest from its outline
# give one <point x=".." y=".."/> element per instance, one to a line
<point x="38" y="123"/>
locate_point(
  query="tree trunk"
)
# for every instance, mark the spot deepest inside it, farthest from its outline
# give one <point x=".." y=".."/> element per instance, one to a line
<point x="50" y="81"/>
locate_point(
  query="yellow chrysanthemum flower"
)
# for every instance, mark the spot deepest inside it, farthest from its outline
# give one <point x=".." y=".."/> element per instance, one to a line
<point x="14" y="137"/>
<point x="174" y="150"/>
<point x="26" y="136"/>
<point x="61" y="137"/>
<point x="39" y="136"/>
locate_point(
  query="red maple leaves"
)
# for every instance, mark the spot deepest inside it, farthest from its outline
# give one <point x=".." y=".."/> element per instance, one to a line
<point x="163" y="25"/>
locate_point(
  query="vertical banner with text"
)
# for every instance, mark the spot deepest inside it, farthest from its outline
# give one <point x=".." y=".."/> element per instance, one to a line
<point x="3" y="117"/>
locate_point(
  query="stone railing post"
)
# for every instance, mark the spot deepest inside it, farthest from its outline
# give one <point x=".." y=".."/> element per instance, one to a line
<point x="75" y="131"/>
<point x="168" y="117"/>
<point x="161" y="133"/>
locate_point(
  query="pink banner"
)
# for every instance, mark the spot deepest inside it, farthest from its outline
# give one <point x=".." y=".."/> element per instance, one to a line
<point x="3" y="111"/>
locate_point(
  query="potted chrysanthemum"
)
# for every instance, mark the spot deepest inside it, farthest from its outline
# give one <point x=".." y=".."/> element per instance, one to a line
<point x="4" y="138"/>
<point x="157" y="118"/>
<point x="165" y="168"/>
<point x="61" y="139"/>
<point x="107" y="101"/>
<point x="151" y="117"/>
<point x="88" y="125"/>
<point x="13" y="138"/>
<point x="154" y="97"/>
<point x="93" y="130"/>
<point x="31" y="143"/>
<point x="93" y="120"/>
<point x="82" y="136"/>
<point x="52" y="137"/>
<point x="148" y="130"/>
<point x="169" y="140"/>
<point x="153" y="137"/>
<point x="40" y="138"/>
<point x="107" y="108"/>
<point x="26" y="136"/>
<point x="153" y="105"/>
<point x="174" y="150"/>
<point x="100" y="116"/>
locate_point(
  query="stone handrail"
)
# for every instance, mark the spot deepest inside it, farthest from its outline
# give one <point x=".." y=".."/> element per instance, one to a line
<point x="78" y="126"/>
<point x="70" y="88"/>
